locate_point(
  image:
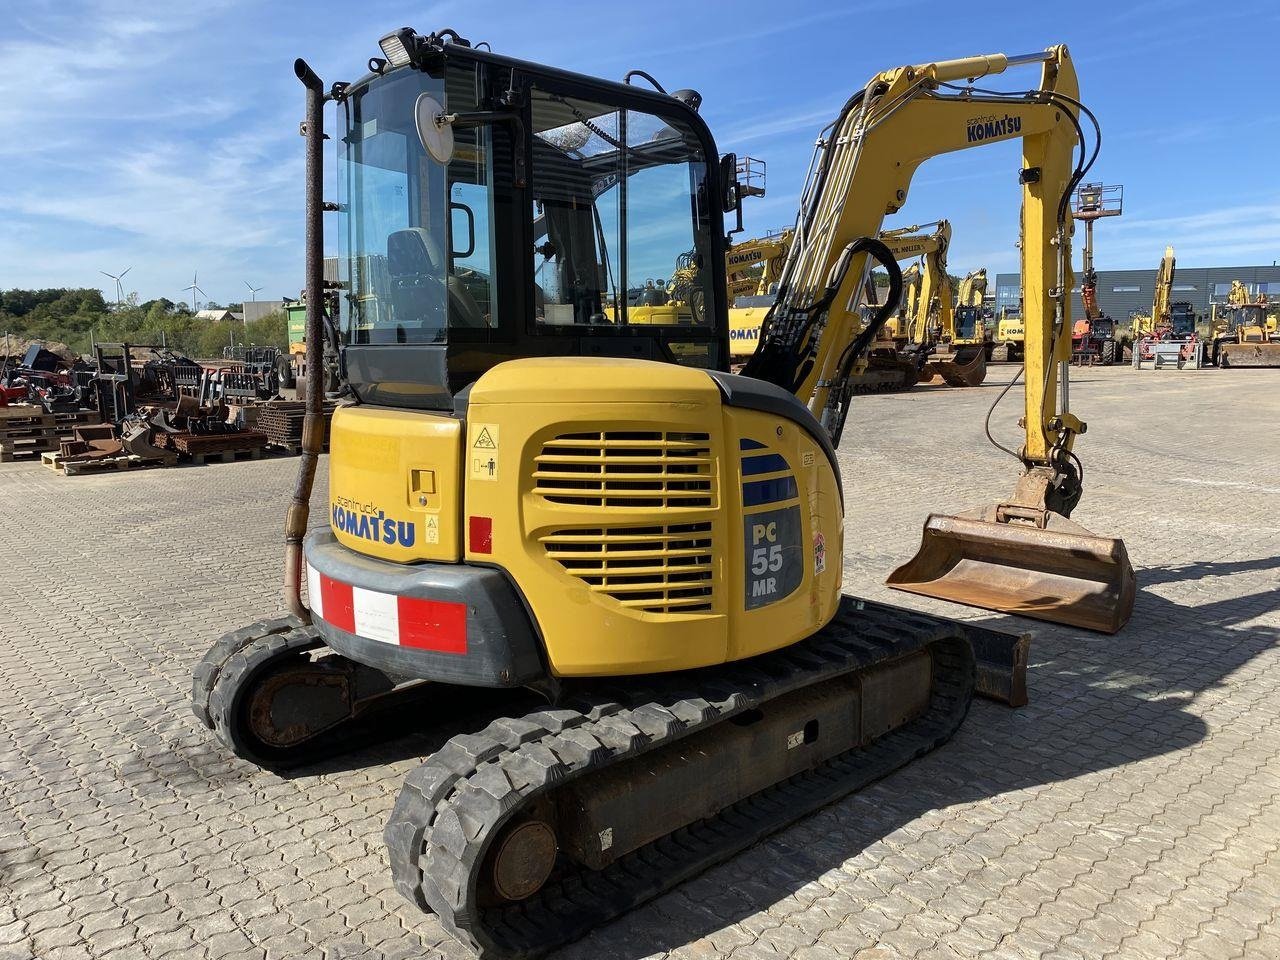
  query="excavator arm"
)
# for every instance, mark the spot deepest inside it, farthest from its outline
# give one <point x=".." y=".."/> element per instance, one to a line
<point x="882" y="135"/>
<point x="1020" y="555"/>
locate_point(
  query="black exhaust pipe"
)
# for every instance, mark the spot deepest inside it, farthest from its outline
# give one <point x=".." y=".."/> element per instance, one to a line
<point x="295" y="527"/>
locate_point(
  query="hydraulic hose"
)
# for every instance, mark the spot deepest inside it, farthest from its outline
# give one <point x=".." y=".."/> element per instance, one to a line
<point x="295" y="526"/>
<point x="837" y="409"/>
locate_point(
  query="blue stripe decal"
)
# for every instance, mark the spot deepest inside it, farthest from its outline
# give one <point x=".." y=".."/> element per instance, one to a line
<point x="750" y="445"/>
<point x="768" y="491"/>
<point x="768" y="463"/>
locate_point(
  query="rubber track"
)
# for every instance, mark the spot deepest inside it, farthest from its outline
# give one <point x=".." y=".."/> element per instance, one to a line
<point x="206" y="672"/>
<point x="236" y="675"/>
<point x="453" y="805"/>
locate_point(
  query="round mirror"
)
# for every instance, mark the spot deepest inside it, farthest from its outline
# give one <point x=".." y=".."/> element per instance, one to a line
<point x="436" y="136"/>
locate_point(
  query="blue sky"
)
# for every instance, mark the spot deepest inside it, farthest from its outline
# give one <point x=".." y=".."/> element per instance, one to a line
<point x="164" y="136"/>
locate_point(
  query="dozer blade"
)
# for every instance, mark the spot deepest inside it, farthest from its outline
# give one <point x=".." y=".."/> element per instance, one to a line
<point x="1061" y="573"/>
<point x="966" y="367"/>
<point x="1251" y="355"/>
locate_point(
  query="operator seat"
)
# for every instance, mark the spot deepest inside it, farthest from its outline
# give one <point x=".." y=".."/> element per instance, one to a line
<point x="414" y="263"/>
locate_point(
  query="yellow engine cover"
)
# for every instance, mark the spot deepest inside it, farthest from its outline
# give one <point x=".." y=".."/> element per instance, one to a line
<point x="649" y="526"/>
<point x="395" y="483"/>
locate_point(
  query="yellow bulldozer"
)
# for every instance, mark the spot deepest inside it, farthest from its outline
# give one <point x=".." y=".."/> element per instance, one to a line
<point x="529" y="493"/>
<point x="1243" y="332"/>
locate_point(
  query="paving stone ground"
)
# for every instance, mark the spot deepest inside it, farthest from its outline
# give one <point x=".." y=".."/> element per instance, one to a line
<point x="1129" y="811"/>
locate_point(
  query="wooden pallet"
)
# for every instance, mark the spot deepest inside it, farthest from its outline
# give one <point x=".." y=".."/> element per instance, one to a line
<point x="26" y="448"/>
<point x="21" y="425"/>
<point x="10" y="434"/>
<point x="68" y="421"/>
<point x="295" y="447"/>
<point x="58" y="464"/>
<point x="22" y="455"/>
<point x="228" y="456"/>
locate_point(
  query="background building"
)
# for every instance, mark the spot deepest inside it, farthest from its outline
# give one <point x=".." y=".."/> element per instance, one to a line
<point x="1122" y="291"/>
<point x="257" y="309"/>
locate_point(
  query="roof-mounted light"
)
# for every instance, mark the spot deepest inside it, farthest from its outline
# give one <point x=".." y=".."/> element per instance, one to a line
<point x="398" y="46"/>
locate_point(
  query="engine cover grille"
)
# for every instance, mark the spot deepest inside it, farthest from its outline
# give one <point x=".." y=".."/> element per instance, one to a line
<point x="636" y="469"/>
<point x="654" y="569"/>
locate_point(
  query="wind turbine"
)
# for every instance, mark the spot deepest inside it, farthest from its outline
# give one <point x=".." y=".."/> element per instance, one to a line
<point x="195" y="288"/>
<point x="253" y="291"/>
<point x="117" y="279"/>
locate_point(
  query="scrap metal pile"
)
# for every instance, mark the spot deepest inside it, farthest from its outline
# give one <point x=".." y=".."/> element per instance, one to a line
<point x="143" y="405"/>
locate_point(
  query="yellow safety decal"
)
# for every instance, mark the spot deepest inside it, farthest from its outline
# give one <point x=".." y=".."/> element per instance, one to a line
<point x="483" y="455"/>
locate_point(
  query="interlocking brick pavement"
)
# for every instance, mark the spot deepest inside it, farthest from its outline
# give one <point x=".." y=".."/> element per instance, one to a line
<point x="1129" y="811"/>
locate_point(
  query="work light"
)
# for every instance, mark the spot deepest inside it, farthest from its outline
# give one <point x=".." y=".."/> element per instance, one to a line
<point x="397" y="46"/>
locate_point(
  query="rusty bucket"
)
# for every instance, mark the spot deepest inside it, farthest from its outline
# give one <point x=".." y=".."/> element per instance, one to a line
<point x="966" y="366"/>
<point x="1058" y="572"/>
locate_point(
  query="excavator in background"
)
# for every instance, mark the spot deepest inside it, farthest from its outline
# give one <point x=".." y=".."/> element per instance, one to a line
<point x="752" y="267"/>
<point x="1009" y="336"/>
<point x="919" y="342"/>
<point x="971" y="322"/>
<point x="915" y="241"/>
<point x="1166" y="336"/>
<point x="933" y="342"/>
<point x="548" y="500"/>
<point x="1243" y="334"/>
<point x="1093" y="338"/>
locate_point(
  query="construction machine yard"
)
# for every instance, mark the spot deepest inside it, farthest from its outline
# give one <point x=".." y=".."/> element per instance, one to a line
<point x="1128" y="808"/>
<point x="687" y="711"/>
<point x="598" y="614"/>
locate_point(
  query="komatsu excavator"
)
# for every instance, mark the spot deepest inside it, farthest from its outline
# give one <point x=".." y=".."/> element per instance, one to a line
<point x="919" y="342"/>
<point x="948" y="352"/>
<point x="1170" y="323"/>
<point x="905" y="243"/>
<point x="753" y="266"/>
<point x="540" y="496"/>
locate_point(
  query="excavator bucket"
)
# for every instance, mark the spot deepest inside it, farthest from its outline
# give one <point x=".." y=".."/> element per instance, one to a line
<point x="1058" y="572"/>
<point x="965" y="367"/>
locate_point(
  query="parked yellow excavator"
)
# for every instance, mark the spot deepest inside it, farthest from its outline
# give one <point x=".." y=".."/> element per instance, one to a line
<point x="1153" y="336"/>
<point x="919" y="342"/>
<point x="543" y="497"/>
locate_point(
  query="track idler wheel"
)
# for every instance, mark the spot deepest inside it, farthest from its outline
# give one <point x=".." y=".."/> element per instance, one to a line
<point x="277" y="700"/>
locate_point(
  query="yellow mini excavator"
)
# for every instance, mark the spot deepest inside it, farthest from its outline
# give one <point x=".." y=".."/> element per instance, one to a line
<point x="537" y="495"/>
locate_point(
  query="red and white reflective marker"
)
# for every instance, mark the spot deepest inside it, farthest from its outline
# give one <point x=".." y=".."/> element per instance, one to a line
<point x="403" y="621"/>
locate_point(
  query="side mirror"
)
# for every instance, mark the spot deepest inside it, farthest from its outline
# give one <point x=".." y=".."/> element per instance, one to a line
<point x="732" y="199"/>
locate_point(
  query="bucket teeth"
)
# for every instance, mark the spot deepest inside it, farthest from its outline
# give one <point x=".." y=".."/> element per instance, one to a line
<point x="1061" y="573"/>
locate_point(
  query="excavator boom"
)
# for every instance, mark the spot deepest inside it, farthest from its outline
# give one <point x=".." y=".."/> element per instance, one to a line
<point x="812" y="339"/>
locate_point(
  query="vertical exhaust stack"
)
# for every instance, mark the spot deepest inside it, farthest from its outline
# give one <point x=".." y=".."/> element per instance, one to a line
<point x="295" y="527"/>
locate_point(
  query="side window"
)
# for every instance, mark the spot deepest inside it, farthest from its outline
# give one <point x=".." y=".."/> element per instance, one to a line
<point x="620" y="225"/>
<point x="472" y="265"/>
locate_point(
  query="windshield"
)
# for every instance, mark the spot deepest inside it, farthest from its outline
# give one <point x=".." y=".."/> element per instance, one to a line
<point x="967" y="319"/>
<point x="414" y="232"/>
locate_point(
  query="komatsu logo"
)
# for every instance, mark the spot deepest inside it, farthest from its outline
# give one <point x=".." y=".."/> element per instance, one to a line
<point x="988" y="128"/>
<point x="366" y="521"/>
<point x="752" y="334"/>
<point x="745" y="257"/>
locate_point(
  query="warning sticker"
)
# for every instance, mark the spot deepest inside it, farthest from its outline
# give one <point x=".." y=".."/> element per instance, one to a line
<point x="433" y="530"/>
<point x="483" y="455"/>
<point x="819" y="553"/>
